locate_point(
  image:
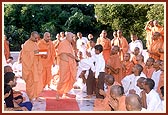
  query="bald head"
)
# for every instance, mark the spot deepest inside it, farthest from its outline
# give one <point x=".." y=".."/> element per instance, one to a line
<point x="150" y="61"/>
<point x="141" y="79"/>
<point x="139" y="68"/>
<point x="140" y="82"/>
<point x="133" y="102"/>
<point x="115" y="49"/>
<point x="34" y="36"/>
<point x="47" y="36"/>
<point x="140" y="58"/>
<point x="156" y="36"/>
<point x="69" y="36"/>
<point x="109" y="80"/>
<point x="116" y="91"/>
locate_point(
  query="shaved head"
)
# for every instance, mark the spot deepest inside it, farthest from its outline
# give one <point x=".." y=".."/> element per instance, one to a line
<point x="109" y="79"/>
<point x="69" y="36"/>
<point x="47" y="36"/>
<point x="133" y="102"/>
<point x="116" y="91"/>
<point x="140" y="82"/>
<point x="141" y="79"/>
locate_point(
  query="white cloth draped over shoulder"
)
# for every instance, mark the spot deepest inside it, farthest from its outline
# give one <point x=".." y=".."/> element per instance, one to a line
<point x="130" y="82"/>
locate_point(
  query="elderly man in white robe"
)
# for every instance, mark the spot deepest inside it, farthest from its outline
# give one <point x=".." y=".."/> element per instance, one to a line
<point x="129" y="82"/>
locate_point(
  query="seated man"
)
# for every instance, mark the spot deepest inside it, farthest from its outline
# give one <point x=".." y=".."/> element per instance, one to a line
<point x="133" y="103"/>
<point x="10" y="79"/>
<point x="103" y="104"/>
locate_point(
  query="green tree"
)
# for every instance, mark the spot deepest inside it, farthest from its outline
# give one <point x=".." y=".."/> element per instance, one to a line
<point x="156" y="12"/>
<point x="21" y="19"/>
<point x="130" y="18"/>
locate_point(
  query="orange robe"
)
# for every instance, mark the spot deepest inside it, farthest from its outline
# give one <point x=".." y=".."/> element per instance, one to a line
<point x="67" y="65"/>
<point x="122" y="44"/>
<point x="122" y="106"/>
<point x="114" y="62"/>
<point x="103" y="104"/>
<point x="155" y="46"/>
<point x="115" y="42"/>
<point x="148" y="71"/>
<point x="161" y="81"/>
<point x="106" y="43"/>
<point x="56" y="43"/>
<point x="159" y="29"/>
<point x="162" y="54"/>
<point x="148" y="37"/>
<point x="31" y="69"/>
<point x="143" y="65"/>
<point x="134" y="61"/>
<point x="48" y="61"/>
<point x="127" y="68"/>
<point x="6" y="49"/>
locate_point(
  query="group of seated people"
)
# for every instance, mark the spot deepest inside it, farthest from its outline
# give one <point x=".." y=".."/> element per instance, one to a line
<point x="115" y="98"/>
<point x="135" y="79"/>
<point x="14" y="100"/>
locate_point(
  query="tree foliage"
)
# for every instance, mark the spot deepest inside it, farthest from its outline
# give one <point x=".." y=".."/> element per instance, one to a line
<point x="156" y="12"/>
<point x="130" y="18"/>
<point x="21" y="19"/>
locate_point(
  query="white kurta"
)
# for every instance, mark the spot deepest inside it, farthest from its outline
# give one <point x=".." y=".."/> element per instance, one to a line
<point x="99" y="64"/>
<point x="129" y="82"/>
<point x="153" y="101"/>
<point x="156" y="78"/>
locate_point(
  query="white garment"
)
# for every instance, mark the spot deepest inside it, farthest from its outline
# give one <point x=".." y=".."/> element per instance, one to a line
<point x="133" y="44"/>
<point x="25" y="96"/>
<point x="143" y="109"/>
<point x="91" y="51"/>
<point x="156" y="78"/>
<point x="130" y="82"/>
<point x="164" y="105"/>
<point x="87" y="63"/>
<point x="99" y="64"/>
<point x="79" y="82"/>
<point x="9" y="64"/>
<point x="17" y="69"/>
<point x="55" y="70"/>
<point x="81" y="45"/>
<point x="153" y="101"/>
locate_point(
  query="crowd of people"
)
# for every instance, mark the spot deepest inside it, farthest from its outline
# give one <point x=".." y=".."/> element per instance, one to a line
<point x="112" y="70"/>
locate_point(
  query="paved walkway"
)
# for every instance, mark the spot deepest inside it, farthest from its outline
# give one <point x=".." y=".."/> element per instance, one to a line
<point x="83" y="103"/>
